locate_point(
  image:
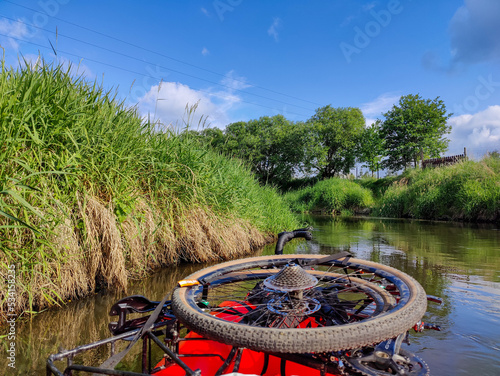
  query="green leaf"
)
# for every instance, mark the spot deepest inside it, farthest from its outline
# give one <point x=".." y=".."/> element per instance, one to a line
<point x="7" y="215"/>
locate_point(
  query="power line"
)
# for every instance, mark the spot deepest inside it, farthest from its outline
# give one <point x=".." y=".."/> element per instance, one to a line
<point x="166" y="68"/>
<point x="163" y="55"/>
<point x="131" y="71"/>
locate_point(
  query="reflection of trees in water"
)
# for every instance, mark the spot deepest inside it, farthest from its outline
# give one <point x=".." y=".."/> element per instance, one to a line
<point x="457" y="247"/>
<point x="431" y="252"/>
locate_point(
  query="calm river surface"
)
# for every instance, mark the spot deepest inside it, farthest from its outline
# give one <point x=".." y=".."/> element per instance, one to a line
<point x="458" y="262"/>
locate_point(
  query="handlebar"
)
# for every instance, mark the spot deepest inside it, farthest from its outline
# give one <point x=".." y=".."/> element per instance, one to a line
<point x="285" y="237"/>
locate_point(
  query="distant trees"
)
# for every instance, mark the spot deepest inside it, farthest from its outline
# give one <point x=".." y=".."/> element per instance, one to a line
<point x="333" y="139"/>
<point x="274" y="147"/>
<point x="333" y="135"/>
<point x="214" y="136"/>
<point x="413" y="127"/>
<point x="371" y="147"/>
<point x="278" y="149"/>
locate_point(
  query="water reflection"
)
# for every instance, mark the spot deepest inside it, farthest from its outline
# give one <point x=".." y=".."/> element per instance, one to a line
<point x="83" y="321"/>
<point x="454" y="247"/>
<point x="458" y="262"/>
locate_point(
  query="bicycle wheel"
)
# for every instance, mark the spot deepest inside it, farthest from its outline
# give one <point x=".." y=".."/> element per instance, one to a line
<point x="274" y="304"/>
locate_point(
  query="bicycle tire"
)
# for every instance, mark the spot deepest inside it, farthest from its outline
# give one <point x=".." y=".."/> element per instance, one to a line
<point x="409" y="308"/>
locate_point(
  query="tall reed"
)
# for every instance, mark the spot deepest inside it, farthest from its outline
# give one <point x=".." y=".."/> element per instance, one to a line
<point x="93" y="195"/>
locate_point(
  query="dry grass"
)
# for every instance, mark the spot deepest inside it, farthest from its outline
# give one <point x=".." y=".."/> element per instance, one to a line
<point x="148" y="240"/>
<point x="108" y="254"/>
<point x="103" y="245"/>
<point x="73" y="279"/>
<point x="205" y="237"/>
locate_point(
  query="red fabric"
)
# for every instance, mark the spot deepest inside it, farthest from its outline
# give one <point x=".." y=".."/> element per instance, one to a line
<point x="252" y="362"/>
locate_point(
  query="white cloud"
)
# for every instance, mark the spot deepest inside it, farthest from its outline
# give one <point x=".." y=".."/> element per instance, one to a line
<point x="83" y="69"/>
<point x="14" y="31"/>
<point x="167" y="103"/>
<point x="374" y="109"/>
<point x="234" y="82"/>
<point x="205" y="51"/>
<point x="273" y="29"/>
<point x="479" y="132"/>
<point x="78" y="68"/>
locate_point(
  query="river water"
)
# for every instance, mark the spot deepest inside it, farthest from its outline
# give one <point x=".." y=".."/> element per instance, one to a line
<point x="459" y="263"/>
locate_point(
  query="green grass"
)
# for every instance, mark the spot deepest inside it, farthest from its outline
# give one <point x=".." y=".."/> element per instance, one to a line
<point x="87" y="185"/>
<point x="377" y="186"/>
<point x="465" y="191"/>
<point x="332" y="195"/>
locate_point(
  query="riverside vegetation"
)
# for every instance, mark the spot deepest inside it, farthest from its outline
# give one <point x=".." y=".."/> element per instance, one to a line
<point x="93" y="195"/>
<point x="466" y="191"/>
<point x="334" y="196"/>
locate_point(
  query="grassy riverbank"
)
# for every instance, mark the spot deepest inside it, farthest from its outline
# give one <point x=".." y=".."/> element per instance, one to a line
<point x="92" y="195"/>
<point x="332" y="196"/>
<point x="467" y="191"/>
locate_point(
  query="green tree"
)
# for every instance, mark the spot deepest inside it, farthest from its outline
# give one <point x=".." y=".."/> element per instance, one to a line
<point x="334" y="135"/>
<point x="370" y="149"/>
<point x="272" y="145"/>
<point x="415" y="125"/>
<point x="213" y="137"/>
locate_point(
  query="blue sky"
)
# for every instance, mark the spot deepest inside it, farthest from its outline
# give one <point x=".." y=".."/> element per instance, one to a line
<point x="242" y="59"/>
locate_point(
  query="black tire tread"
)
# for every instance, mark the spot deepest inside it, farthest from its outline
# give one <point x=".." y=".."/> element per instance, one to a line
<point x="310" y="340"/>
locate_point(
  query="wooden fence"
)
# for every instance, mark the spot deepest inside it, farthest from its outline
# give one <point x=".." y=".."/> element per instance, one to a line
<point x="434" y="162"/>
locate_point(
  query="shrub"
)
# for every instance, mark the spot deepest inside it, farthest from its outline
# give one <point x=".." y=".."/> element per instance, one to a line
<point x="331" y="195"/>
